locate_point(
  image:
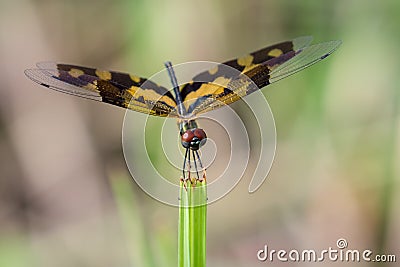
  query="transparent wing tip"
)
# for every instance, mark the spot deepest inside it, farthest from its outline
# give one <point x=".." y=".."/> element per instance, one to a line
<point x="304" y="58"/>
<point x="301" y="42"/>
<point x="46" y="65"/>
<point x="333" y="46"/>
<point x="34" y="75"/>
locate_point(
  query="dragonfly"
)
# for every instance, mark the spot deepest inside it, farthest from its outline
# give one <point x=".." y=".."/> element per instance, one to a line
<point x="208" y="90"/>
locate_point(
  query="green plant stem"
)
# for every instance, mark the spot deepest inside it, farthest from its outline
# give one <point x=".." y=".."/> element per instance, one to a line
<point x="192" y="225"/>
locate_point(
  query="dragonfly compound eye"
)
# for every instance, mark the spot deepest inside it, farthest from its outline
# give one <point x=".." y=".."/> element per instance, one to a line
<point x="199" y="133"/>
<point x="193" y="139"/>
<point x="187" y="138"/>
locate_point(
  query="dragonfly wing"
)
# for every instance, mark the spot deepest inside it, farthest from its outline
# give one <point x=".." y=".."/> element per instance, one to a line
<point x="116" y="88"/>
<point x="235" y="67"/>
<point x="213" y="93"/>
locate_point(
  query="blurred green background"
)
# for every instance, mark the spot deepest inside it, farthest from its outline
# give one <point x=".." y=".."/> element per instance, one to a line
<point x="62" y="171"/>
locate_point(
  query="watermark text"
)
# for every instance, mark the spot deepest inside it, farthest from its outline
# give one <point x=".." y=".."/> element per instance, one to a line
<point x="339" y="253"/>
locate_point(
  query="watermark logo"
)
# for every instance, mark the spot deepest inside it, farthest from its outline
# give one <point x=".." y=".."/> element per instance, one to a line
<point x="341" y="253"/>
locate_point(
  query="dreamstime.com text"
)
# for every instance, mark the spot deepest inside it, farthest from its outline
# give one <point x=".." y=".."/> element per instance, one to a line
<point x="339" y="254"/>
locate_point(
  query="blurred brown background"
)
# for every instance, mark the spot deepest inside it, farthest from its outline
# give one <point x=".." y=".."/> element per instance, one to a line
<point x="335" y="174"/>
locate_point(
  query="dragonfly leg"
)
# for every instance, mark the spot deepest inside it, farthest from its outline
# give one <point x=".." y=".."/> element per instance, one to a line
<point x="195" y="165"/>
<point x="189" y="166"/>
<point x="184" y="179"/>
<point x="201" y="165"/>
<point x="184" y="164"/>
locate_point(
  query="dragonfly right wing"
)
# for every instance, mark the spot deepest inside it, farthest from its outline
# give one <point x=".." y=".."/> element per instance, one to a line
<point x="229" y="83"/>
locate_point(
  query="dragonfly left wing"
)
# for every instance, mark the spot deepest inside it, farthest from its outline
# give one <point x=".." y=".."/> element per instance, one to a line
<point x="116" y="88"/>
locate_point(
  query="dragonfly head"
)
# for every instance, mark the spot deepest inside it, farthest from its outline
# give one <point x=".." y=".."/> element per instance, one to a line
<point x="193" y="138"/>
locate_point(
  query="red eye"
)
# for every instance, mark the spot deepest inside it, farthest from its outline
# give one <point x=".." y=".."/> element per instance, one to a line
<point x="187" y="136"/>
<point x="199" y="133"/>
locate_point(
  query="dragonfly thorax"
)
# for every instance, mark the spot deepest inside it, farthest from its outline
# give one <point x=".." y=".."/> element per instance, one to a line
<point x="193" y="138"/>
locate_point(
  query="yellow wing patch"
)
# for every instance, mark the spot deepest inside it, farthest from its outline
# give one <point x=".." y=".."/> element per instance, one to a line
<point x="103" y="74"/>
<point x="213" y="70"/>
<point x="215" y="87"/>
<point x="134" y="78"/>
<point x="75" y="72"/>
<point x="138" y="92"/>
<point x="245" y="61"/>
<point x="275" y="52"/>
<point x="238" y="89"/>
